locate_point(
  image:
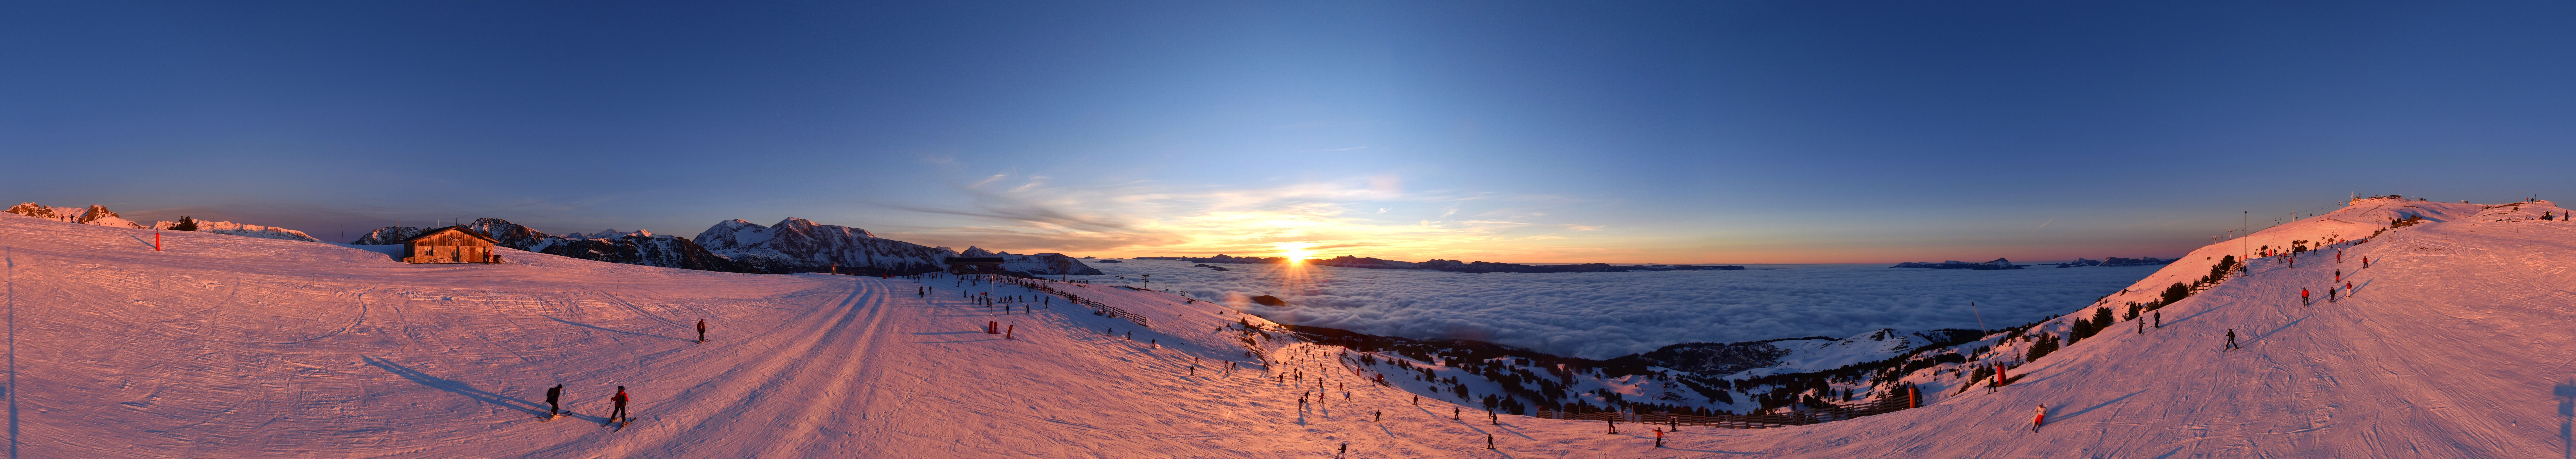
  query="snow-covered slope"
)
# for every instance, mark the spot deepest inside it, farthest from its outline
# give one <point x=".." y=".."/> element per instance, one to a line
<point x="244" y="230"/>
<point x="2455" y="336"/>
<point x="238" y="347"/>
<point x="99" y="215"/>
<point x="2360" y="220"/>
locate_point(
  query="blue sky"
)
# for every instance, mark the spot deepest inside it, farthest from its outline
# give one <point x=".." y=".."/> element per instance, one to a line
<point x="1677" y="132"/>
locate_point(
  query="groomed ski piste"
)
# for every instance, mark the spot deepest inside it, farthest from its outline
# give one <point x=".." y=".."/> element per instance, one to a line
<point x="2455" y="343"/>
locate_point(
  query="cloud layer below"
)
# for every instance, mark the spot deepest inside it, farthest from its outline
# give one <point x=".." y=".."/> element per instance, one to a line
<point x="1601" y="315"/>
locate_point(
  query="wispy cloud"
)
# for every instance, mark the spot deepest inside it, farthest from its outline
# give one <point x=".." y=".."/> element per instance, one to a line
<point x="1143" y="218"/>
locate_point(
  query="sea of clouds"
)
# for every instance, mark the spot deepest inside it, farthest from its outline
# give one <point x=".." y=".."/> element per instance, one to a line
<point x="1603" y="315"/>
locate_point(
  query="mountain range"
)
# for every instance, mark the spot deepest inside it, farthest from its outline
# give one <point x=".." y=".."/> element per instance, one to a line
<point x="793" y="245"/>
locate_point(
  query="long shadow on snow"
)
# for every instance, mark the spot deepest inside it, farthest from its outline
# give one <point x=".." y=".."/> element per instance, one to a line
<point x="596" y="327"/>
<point x="2268" y="334"/>
<point x="457" y="387"/>
<point x="2098" y="406"/>
<point x="2566" y="393"/>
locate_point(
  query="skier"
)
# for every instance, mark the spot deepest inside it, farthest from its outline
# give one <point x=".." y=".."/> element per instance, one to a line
<point x="620" y="413"/>
<point x="2160" y="319"/>
<point x="1614" y="425"/>
<point x="2041" y="418"/>
<point x="2142" y="328"/>
<point x="1379" y="415"/>
<point x="2338" y="275"/>
<point x="1489" y="441"/>
<point x="702" y="330"/>
<point x="2338" y="257"/>
<point x="2303" y="296"/>
<point x="1659" y="438"/>
<point x="2231" y="339"/>
<point x="553" y="408"/>
<point x="1346" y="450"/>
<point x="2365" y="262"/>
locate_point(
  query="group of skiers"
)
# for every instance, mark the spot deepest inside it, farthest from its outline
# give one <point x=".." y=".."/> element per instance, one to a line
<point x="554" y="404"/>
<point x="617" y="414"/>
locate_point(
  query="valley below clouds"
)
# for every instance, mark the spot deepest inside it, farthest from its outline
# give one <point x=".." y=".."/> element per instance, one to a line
<point x="1602" y="315"/>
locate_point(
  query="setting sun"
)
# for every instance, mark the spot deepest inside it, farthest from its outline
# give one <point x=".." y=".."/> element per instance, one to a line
<point x="1296" y="251"/>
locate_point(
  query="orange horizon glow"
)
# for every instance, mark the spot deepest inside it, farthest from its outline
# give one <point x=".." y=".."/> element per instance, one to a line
<point x="1296" y="251"/>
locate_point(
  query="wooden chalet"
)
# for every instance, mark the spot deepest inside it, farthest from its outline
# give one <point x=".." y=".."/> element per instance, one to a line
<point x="454" y="244"/>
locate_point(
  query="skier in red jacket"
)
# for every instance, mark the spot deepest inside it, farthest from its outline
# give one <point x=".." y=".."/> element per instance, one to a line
<point x="620" y="413"/>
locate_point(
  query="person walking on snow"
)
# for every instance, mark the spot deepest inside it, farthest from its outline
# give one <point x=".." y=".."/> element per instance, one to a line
<point x="553" y="396"/>
<point x="620" y="413"/>
<point x="702" y="330"/>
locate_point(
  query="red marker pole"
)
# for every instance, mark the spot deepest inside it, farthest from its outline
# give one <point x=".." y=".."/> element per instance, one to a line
<point x="156" y="240"/>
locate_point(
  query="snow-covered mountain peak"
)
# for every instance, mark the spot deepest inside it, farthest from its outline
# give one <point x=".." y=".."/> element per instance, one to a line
<point x="611" y="233"/>
<point x="94" y="215"/>
<point x="799" y="224"/>
<point x="800" y="245"/>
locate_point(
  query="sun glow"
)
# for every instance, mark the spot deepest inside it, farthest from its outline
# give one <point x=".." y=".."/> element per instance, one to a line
<point x="1296" y="251"/>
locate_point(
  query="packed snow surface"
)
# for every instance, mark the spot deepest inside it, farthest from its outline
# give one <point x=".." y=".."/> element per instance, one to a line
<point x="226" y="346"/>
<point x="1604" y="315"/>
<point x="2454" y="338"/>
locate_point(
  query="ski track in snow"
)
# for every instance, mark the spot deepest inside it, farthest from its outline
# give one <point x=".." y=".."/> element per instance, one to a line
<point x="2455" y="345"/>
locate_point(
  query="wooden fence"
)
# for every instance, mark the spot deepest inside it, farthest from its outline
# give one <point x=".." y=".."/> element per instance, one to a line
<point x="1837" y="412"/>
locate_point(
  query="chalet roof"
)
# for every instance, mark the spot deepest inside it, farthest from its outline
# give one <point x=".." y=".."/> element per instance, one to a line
<point x="458" y="228"/>
<point x="957" y="260"/>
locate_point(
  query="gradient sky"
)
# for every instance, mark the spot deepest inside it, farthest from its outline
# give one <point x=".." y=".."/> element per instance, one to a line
<point x="1680" y="132"/>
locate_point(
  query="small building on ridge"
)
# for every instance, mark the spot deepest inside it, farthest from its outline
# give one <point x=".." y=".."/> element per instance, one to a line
<point x="454" y="244"/>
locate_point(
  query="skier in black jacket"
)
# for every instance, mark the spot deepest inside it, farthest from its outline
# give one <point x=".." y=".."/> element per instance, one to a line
<point x="553" y="395"/>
